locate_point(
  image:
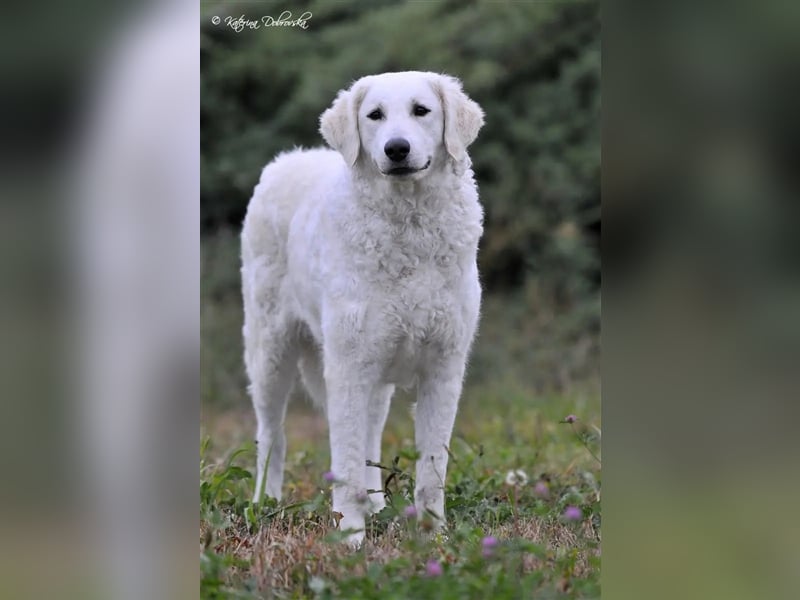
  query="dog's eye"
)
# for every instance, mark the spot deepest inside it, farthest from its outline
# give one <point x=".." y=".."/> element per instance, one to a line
<point x="420" y="111"/>
<point x="375" y="115"/>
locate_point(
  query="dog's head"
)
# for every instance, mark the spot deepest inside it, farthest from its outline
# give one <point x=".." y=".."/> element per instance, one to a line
<point x="402" y="123"/>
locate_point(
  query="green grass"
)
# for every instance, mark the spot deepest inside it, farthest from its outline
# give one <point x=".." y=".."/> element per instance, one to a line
<point x="291" y="550"/>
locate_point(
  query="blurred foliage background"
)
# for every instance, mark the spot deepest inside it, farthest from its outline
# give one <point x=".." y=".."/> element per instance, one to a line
<point x="534" y="67"/>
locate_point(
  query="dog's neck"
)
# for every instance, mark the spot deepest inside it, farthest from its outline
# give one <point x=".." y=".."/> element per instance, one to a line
<point x="430" y="204"/>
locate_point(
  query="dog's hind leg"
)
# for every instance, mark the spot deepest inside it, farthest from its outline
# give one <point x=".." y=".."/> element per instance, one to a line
<point x="271" y="360"/>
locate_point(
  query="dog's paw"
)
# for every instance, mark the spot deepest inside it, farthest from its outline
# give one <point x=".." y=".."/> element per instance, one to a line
<point x="355" y="540"/>
<point x="351" y="529"/>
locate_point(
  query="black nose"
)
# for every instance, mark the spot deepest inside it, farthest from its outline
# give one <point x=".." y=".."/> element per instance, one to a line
<point x="397" y="149"/>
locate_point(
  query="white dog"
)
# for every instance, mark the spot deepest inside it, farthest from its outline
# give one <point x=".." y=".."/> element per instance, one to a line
<point x="359" y="271"/>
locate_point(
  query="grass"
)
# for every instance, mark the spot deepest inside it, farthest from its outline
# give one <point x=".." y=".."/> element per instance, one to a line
<point x="290" y="549"/>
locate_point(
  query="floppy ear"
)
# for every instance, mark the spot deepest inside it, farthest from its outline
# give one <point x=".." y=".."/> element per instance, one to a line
<point x="339" y="124"/>
<point x="463" y="117"/>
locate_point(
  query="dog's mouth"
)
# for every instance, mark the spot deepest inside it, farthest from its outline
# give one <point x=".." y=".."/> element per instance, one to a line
<point x="407" y="170"/>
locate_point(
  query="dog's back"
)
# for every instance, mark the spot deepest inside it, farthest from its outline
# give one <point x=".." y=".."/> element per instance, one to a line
<point x="293" y="177"/>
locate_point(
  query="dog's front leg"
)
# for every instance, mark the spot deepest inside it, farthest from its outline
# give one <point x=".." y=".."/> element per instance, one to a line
<point x="347" y="417"/>
<point x="437" y="404"/>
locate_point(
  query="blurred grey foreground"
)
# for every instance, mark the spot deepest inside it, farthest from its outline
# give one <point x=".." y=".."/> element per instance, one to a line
<point x="100" y="349"/>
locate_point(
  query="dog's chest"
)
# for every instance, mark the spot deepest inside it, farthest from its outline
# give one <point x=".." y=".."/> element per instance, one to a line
<point x="418" y="270"/>
<point x="413" y="280"/>
<point x="423" y="286"/>
<point x="417" y="251"/>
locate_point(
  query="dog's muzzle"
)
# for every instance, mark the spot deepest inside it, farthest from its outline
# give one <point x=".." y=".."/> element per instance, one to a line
<point x="406" y="170"/>
<point x="397" y="150"/>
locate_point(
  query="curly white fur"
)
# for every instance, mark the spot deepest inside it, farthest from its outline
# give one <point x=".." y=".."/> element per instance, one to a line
<point x="361" y="279"/>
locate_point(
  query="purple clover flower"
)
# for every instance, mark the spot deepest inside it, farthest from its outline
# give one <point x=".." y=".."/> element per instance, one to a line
<point x="433" y="568"/>
<point x="329" y="476"/>
<point x="541" y="489"/>
<point x="410" y="511"/>
<point x="573" y="513"/>
<point x="488" y="544"/>
<point x="570" y="419"/>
